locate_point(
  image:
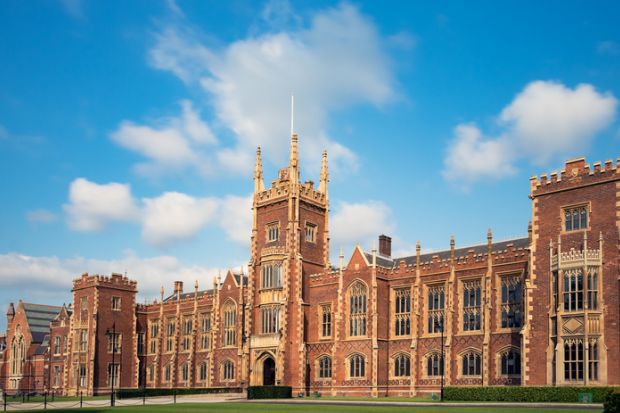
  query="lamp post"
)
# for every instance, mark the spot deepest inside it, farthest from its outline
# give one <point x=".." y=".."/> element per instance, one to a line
<point x="439" y="326"/>
<point x="112" y="335"/>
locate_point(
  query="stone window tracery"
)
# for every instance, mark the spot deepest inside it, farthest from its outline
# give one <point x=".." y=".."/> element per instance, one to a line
<point x="592" y="285"/>
<point x="436" y="304"/>
<point x="573" y="360"/>
<point x="573" y="290"/>
<point x="402" y="312"/>
<point x="402" y="365"/>
<point x="273" y="231"/>
<point x="434" y="364"/>
<point x="270" y="318"/>
<point x="471" y="363"/>
<point x="576" y="218"/>
<point x="472" y="297"/>
<point x="229" y="311"/>
<point x="228" y="370"/>
<point x="510" y="362"/>
<point x="357" y="309"/>
<point x="271" y="275"/>
<point x="593" y="360"/>
<point x="512" y="298"/>
<point x="357" y="366"/>
<point x="205" y="331"/>
<point x="325" y="367"/>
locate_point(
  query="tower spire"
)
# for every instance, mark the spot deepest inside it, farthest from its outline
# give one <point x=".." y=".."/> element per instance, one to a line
<point x="259" y="184"/>
<point x="324" y="174"/>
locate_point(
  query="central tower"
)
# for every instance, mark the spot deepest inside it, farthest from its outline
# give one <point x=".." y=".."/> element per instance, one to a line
<point x="290" y="240"/>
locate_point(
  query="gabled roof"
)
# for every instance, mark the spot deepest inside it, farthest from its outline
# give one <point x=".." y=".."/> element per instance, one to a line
<point x="238" y="279"/>
<point x="517" y="243"/>
<point x="39" y="317"/>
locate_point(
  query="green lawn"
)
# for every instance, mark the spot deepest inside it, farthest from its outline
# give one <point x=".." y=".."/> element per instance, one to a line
<point x="275" y="408"/>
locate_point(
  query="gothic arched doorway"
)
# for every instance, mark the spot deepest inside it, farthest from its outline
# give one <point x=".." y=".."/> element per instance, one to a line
<point x="269" y="372"/>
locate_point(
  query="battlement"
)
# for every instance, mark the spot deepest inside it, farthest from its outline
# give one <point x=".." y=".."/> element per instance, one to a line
<point x="115" y="280"/>
<point x="576" y="173"/>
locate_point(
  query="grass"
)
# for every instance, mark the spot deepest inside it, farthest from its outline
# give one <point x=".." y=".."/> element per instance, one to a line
<point x="297" y="408"/>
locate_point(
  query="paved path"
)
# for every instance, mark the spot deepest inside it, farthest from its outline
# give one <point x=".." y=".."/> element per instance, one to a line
<point x="196" y="398"/>
<point x="576" y="406"/>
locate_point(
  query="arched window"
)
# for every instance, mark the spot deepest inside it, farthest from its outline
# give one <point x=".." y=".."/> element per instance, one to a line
<point x="228" y="370"/>
<point x="357" y="366"/>
<point x="203" y="372"/>
<point x="357" y="309"/>
<point x="271" y="275"/>
<point x="402" y="312"/>
<point x="434" y="364"/>
<point x="229" y="314"/>
<point x="402" y="365"/>
<point x="573" y="360"/>
<point x="325" y="367"/>
<point x="471" y="364"/>
<point x="185" y="372"/>
<point x="510" y="362"/>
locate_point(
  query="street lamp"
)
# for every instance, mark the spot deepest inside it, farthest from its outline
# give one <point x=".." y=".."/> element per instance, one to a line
<point x="112" y="336"/>
<point x="439" y="326"/>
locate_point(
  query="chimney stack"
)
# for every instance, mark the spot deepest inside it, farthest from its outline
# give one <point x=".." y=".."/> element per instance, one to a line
<point x="385" y="245"/>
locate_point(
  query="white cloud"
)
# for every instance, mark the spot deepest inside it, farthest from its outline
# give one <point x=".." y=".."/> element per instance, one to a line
<point x="41" y="216"/>
<point x="167" y="219"/>
<point x="173" y="217"/>
<point x="91" y="205"/>
<point x="172" y="143"/>
<point x="359" y="223"/>
<point x="337" y="61"/>
<point x="54" y="275"/>
<point x="608" y="47"/>
<point x="545" y="121"/>
<point x="75" y="8"/>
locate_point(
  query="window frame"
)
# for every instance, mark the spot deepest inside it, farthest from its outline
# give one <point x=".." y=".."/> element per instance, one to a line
<point x="268" y="233"/>
<point x="588" y="213"/>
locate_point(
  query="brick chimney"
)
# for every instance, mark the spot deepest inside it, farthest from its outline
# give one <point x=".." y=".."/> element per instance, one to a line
<point x="178" y="287"/>
<point x="385" y="245"/>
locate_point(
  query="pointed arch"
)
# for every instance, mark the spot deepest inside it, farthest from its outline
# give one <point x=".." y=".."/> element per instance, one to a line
<point x="357" y="299"/>
<point x="229" y="319"/>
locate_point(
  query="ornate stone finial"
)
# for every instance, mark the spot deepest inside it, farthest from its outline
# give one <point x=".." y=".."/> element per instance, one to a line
<point x="294" y="160"/>
<point x="324" y="174"/>
<point x="417" y="247"/>
<point x="196" y="285"/>
<point x="374" y="253"/>
<point x="259" y="184"/>
<point x="341" y="257"/>
<point x="161" y="292"/>
<point x="452" y="243"/>
<point x="489" y="235"/>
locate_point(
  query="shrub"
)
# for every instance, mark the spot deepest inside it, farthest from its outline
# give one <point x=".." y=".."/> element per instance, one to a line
<point x="526" y="394"/>
<point x="270" y="392"/>
<point x="153" y="392"/>
<point x="612" y="403"/>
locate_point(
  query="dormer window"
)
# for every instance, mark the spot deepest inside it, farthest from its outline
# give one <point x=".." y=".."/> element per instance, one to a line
<point x="273" y="231"/>
<point x="576" y="218"/>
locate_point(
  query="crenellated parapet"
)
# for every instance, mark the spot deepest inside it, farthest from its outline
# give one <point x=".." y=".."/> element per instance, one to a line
<point x="576" y="173"/>
<point x="115" y="280"/>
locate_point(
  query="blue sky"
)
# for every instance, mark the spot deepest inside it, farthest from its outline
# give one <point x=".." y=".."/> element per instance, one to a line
<point x="128" y="129"/>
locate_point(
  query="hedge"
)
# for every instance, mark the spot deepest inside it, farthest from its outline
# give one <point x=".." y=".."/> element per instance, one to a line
<point x="270" y="392"/>
<point x="612" y="404"/>
<point x="526" y="394"/>
<point x="153" y="392"/>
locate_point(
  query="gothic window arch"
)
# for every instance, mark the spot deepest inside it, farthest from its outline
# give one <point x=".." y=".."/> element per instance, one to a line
<point x="434" y="364"/>
<point x="510" y="362"/>
<point x="356" y="366"/>
<point x="471" y="363"/>
<point x="402" y="312"/>
<point x="472" y="298"/>
<point x="573" y="290"/>
<point x="324" y="367"/>
<point x="402" y="365"/>
<point x="573" y="360"/>
<point x="511" y="302"/>
<point x="229" y="315"/>
<point x="228" y="370"/>
<point x="202" y="372"/>
<point x="357" y="294"/>
<point x="436" y="304"/>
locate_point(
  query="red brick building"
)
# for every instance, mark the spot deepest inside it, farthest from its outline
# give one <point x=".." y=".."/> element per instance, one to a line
<point x="537" y="310"/>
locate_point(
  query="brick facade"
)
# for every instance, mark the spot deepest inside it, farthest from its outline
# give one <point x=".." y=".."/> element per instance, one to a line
<point x="372" y="325"/>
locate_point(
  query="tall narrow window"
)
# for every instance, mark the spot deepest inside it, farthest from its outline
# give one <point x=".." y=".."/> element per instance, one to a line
<point x="576" y="218"/>
<point x="270" y="317"/>
<point x="573" y="360"/>
<point x="167" y="373"/>
<point x="114" y="343"/>
<point x="471" y="363"/>
<point x="228" y="370"/>
<point x="573" y="290"/>
<point x="56" y="345"/>
<point x="83" y="334"/>
<point x="113" y="377"/>
<point x="151" y="373"/>
<point x="56" y="376"/>
<point x="402" y="312"/>
<point x="205" y="331"/>
<point x="592" y="288"/>
<point x="326" y="320"/>
<point x="154" y="332"/>
<point x="187" y="328"/>
<point x="185" y="373"/>
<point x="170" y="329"/>
<point x="434" y="365"/>
<point x="273" y="230"/>
<point x="82" y="375"/>
<point x="140" y="344"/>
<point x="510" y="361"/>
<point x="436" y="303"/>
<point x="471" y="305"/>
<point x="593" y="360"/>
<point x="116" y="303"/>
<point x="357" y="309"/>
<point x="229" y="312"/>
<point x="357" y="366"/>
<point x="325" y="367"/>
<point x="203" y="372"/>
<point x="512" y="298"/>
<point x="310" y="232"/>
<point x="402" y="365"/>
